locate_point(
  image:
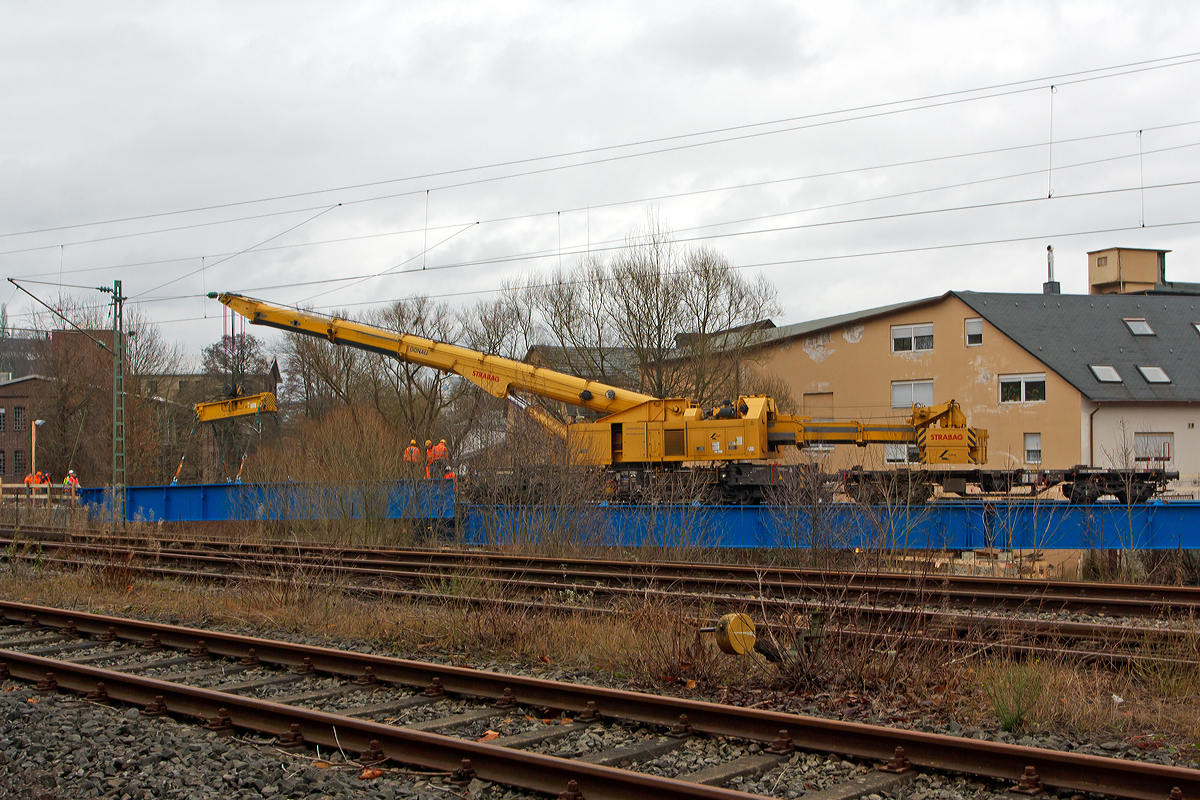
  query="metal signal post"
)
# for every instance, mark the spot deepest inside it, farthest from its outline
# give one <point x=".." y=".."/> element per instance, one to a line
<point x="118" y="435"/>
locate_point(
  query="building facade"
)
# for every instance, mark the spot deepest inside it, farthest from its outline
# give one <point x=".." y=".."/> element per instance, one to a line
<point x="1056" y="380"/>
<point x="20" y="405"/>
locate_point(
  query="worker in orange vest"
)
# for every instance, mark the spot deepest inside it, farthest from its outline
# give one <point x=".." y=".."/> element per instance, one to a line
<point x="439" y="452"/>
<point x="71" y="484"/>
<point x="28" y="484"/>
<point x="428" y="458"/>
<point x="412" y="459"/>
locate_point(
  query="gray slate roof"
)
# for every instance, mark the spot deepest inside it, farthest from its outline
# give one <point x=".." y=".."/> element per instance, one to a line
<point x="1069" y="332"/>
<point x="621" y="365"/>
<point x="812" y="326"/>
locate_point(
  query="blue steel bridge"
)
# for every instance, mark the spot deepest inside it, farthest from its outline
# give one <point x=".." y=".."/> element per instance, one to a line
<point x="952" y="525"/>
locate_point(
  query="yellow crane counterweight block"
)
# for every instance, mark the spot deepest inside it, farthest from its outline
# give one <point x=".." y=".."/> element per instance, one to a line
<point x="735" y="634"/>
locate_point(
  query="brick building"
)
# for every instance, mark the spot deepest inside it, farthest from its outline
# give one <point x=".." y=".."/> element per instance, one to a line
<point x="21" y="402"/>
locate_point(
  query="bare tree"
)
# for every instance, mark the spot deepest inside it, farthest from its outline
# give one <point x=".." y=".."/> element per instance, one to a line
<point x="320" y="375"/>
<point x="147" y="352"/>
<point x="240" y="356"/>
<point x="646" y="306"/>
<point x="77" y="401"/>
<point x="504" y="325"/>
<point x="667" y="321"/>
<point x="415" y="397"/>
<point x="575" y="309"/>
<point x="720" y="309"/>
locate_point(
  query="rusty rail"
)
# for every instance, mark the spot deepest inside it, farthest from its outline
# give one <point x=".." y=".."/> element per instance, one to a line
<point x="1127" y="779"/>
<point x="540" y="773"/>
<point x="959" y="591"/>
<point x="759" y="595"/>
<point x="1036" y="636"/>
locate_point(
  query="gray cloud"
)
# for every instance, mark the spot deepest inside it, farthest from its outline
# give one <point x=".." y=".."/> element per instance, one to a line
<point x="142" y="108"/>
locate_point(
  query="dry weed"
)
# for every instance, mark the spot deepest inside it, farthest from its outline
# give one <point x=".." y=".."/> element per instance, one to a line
<point x="1014" y="689"/>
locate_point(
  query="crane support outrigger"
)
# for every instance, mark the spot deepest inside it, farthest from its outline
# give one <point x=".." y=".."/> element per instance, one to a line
<point x="638" y="431"/>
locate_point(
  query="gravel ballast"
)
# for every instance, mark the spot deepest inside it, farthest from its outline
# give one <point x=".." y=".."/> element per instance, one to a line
<point x="55" y="747"/>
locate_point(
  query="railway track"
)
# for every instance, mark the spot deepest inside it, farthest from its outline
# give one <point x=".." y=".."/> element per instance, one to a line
<point x="942" y="590"/>
<point x="424" y="715"/>
<point x="843" y="615"/>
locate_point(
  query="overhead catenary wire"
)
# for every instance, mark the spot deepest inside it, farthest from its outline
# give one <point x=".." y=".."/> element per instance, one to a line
<point x="396" y="267"/>
<point x="764" y="264"/>
<point x="611" y="204"/>
<point x="241" y="252"/>
<point x="755" y="265"/>
<point x="617" y="243"/>
<point x="63" y="317"/>
<point x="1080" y="76"/>
<point x="652" y="198"/>
<point x="810" y="209"/>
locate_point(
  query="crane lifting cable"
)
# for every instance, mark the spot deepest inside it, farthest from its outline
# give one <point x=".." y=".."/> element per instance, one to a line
<point x="236" y="404"/>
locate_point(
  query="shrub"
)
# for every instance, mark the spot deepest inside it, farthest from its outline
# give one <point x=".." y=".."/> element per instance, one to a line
<point x="1013" y="690"/>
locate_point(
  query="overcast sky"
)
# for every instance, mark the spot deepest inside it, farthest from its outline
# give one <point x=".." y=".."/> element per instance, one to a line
<point x="266" y="116"/>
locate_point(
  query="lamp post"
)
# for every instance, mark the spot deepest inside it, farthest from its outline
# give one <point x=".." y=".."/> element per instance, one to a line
<point x="37" y="423"/>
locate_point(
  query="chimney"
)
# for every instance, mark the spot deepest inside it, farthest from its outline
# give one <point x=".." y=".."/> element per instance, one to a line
<point x="1050" y="286"/>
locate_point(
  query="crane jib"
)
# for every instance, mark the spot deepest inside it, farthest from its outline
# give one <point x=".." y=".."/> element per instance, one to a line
<point x="637" y="430"/>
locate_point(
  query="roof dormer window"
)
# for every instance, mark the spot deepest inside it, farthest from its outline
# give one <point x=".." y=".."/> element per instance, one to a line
<point x="1154" y="374"/>
<point x="1139" y="327"/>
<point x="1105" y="373"/>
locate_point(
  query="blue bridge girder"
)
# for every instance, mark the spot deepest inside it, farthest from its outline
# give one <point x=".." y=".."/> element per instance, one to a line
<point x="943" y="525"/>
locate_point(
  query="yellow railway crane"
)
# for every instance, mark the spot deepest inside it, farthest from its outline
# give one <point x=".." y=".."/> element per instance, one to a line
<point x="635" y="430"/>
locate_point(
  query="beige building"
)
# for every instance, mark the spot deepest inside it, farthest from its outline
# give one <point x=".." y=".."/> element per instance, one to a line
<point x="1126" y="270"/>
<point x="1056" y="380"/>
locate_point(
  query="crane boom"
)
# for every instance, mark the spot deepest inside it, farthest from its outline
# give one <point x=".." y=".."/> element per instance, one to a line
<point x="495" y="375"/>
<point x="639" y="430"/>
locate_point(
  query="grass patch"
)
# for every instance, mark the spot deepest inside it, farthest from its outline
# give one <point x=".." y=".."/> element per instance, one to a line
<point x="1013" y="689"/>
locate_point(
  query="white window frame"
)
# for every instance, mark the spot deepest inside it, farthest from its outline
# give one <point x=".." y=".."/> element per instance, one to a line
<point x="1164" y="451"/>
<point x="1036" y="439"/>
<point x="1106" y="373"/>
<point x="901" y="453"/>
<point x="974" y="322"/>
<point x="912" y="392"/>
<point x="1024" y="380"/>
<point x="910" y="333"/>
<point x="1151" y="374"/>
<point x="1134" y="323"/>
